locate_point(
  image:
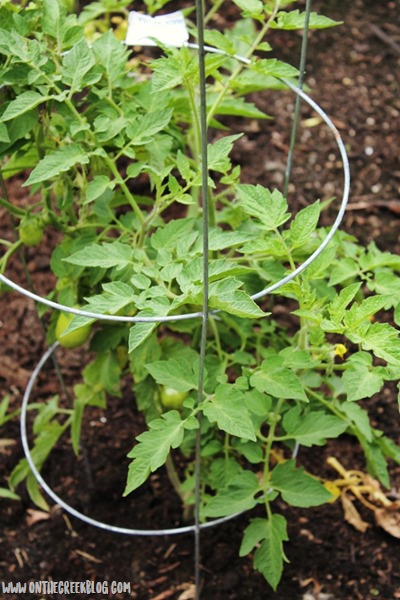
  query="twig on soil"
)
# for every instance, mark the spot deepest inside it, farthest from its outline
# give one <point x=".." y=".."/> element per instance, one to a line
<point x="379" y="33"/>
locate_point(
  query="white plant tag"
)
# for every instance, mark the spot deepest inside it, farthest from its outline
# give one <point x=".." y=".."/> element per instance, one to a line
<point x="169" y="29"/>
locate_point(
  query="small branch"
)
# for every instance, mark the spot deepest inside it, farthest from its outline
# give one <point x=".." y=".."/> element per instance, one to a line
<point x="379" y="33"/>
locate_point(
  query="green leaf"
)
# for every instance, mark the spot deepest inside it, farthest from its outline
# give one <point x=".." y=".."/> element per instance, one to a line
<point x="273" y="67"/>
<point x="368" y="307"/>
<point x="22" y="104"/>
<point x="278" y="381"/>
<point x="6" y="493"/>
<point x="361" y="382"/>
<point x="141" y="331"/>
<point x="269" y="557"/>
<point x="153" y="448"/>
<point x="381" y="339"/>
<point x="51" y="18"/>
<point x="105" y="255"/>
<point x="224" y="295"/>
<point x="76" y="64"/>
<point x="304" y="225"/>
<point x="150" y="124"/>
<point x="295" y="20"/>
<point x="238" y="496"/>
<point x="111" y="54"/>
<point x="166" y="238"/>
<point x="269" y="208"/>
<point x="229" y="411"/>
<point x="337" y="307"/>
<point x="180" y="375"/>
<point x="313" y="428"/>
<point x="97" y="187"/>
<point x="57" y="162"/>
<point x="250" y="8"/>
<point x="296" y="487"/>
<point x="346" y="269"/>
<point x="218" y="153"/>
<point x="359" y="417"/>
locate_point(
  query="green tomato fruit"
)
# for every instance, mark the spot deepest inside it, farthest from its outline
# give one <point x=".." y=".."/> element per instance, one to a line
<point x="31" y="231"/>
<point x="171" y="398"/>
<point x="74" y="338"/>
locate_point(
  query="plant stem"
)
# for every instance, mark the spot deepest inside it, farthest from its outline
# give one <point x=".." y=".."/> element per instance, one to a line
<point x="241" y="66"/>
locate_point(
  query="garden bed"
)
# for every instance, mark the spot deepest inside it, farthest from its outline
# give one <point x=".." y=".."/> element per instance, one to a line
<point x="352" y="74"/>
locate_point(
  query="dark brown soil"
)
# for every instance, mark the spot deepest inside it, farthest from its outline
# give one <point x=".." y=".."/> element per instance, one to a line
<point x="353" y="72"/>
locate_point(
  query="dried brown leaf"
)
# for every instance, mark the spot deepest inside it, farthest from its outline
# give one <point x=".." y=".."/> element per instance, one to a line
<point x="34" y="516"/>
<point x="352" y="515"/>
<point x="189" y="594"/>
<point x="389" y="520"/>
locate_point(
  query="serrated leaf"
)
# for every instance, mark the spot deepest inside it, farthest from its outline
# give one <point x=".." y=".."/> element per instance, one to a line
<point x="366" y="309"/>
<point x="337" y="307"/>
<point x="141" y="331"/>
<point x="272" y="67"/>
<point x="111" y="54"/>
<point x="166" y="238"/>
<point x="105" y="255"/>
<point x="269" y="557"/>
<point x="51" y="17"/>
<point x="254" y="533"/>
<point x="250" y="8"/>
<point x="304" y="225"/>
<point x="359" y="418"/>
<point x="236" y="497"/>
<point x="22" y="104"/>
<point x="269" y="208"/>
<point x="76" y="64"/>
<point x="224" y="295"/>
<point x="296" y="487"/>
<point x="361" y="382"/>
<point x="153" y="448"/>
<point x="180" y="375"/>
<point x="278" y="381"/>
<point x="381" y="339"/>
<point x="228" y="410"/>
<point x="346" y="269"/>
<point x="97" y="187"/>
<point x="218" y="153"/>
<point x="150" y="124"/>
<point x="57" y="162"/>
<point x="295" y="20"/>
<point x="313" y="428"/>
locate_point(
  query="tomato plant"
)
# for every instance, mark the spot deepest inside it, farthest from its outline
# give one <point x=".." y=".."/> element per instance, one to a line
<point x="112" y="145"/>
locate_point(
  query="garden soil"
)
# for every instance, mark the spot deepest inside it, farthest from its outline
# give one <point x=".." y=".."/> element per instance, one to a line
<point x="353" y="72"/>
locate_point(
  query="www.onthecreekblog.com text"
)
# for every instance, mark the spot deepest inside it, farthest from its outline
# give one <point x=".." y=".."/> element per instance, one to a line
<point x="43" y="588"/>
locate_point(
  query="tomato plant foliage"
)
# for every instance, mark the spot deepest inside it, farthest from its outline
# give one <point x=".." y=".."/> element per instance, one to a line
<point x="110" y="143"/>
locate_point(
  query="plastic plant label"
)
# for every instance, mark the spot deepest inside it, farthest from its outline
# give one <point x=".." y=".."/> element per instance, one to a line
<point x="168" y="29"/>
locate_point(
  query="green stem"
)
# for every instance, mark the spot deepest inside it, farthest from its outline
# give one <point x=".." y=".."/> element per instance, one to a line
<point x="11" y="208"/>
<point x="213" y="10"/>
<point x="6" y="256"/>
<point x="241" y="66"/>
<point x="270" y="440"/>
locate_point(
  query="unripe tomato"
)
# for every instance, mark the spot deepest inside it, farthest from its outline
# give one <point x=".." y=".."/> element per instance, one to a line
<point x="121" y="353"/>
<point x="171" y="398"/>
<point x="31" y="231"/>
<point x="74" y="338"/>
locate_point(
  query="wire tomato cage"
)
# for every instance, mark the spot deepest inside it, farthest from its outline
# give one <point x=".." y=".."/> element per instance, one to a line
<point x="197" y="526"/>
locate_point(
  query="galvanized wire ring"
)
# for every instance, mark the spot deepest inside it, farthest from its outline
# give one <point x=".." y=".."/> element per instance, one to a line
<point x="262" y="293"/>
<point x="69" y="509"/>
